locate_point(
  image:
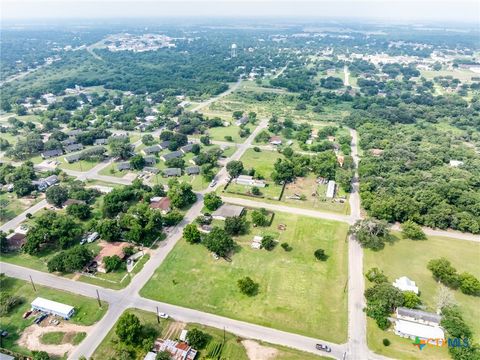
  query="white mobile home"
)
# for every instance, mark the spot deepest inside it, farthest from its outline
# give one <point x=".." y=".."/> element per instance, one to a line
<point x="53" y="307"/>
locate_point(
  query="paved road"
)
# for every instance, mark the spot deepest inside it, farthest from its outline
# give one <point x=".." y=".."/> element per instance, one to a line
<point x="287" y="209"/>
<point x="218" y="97"/>
<point x="13" y="224"/>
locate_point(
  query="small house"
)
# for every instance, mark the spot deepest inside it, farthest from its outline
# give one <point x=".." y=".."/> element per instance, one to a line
<point x="150" y="160"/>
<point x="249" y="181"/>
<point x="192" y="170"/>
<point x="227" y="210"/>
<point x="51" y="153"/>
<point x="73" y="147"/>
<point x="172" y="172"/>
<point x="405" y="284"/>
<point x="72" y="158"/>
<point x="172" y="155"/>
<point x="123" y="166"/>
<point x="187" y="148"/>
<point x="154" y="149"/>
<point x="242" y="121"/>
<point x="151" y="170"/>
<point x="275" y="140"/>
<point x="161" y="203"/>
<point x="330" y="194"/>
<point x="100" y="141"/>
<point x="164" y="145"/>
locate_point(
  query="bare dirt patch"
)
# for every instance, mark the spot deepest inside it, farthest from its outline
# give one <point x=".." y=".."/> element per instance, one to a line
<point x="173" y="330"/>
<point x="30" y="338"/>
<point x="255" y="351"/>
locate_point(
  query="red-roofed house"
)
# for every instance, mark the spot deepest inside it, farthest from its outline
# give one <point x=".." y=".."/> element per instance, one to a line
<point x="161" y="203"/>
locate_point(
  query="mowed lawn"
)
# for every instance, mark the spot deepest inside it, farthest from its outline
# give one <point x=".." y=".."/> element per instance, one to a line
<point x="87" y="311"/>
<point x="262" y="161"/>
<point x="297" y="293"/>
<point x="410" y="258"/>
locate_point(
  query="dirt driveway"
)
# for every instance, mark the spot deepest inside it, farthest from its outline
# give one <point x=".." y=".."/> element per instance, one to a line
<point x="30" y="338"/>
<point x="255" y="351"/>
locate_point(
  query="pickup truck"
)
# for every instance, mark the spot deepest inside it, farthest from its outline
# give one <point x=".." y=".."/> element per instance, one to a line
<point x="322" y="347"/>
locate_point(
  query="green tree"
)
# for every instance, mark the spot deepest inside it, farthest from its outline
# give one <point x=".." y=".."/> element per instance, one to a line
<point x="40" y="355"/>
<point x="260" y="217"/>
<point x="80" y="211"/>
<point x="320" y="255"/>
<point x="137" y="162"/>
<point x="197" y="339"/>
<point x="413" y="231"/>
<point x="284" y="171"/>
<point x="163" y="355"/>
<point x="234" y="168"/>
<point x="376" y="276"/>
<point x="205" y="140"/>
<point x="247" y="286"/>
<point x="148" y="139"/>
<point x="469" y="284"/>
<point x="371" y="233"/>
<point x="236" y="225"/>
<point x="411" y="300"/>
<point x="268" y="243"/>
<point x="120" y="148"/>
<point x="3" y="242"/>
<point x="382" y="299"/>
<point x="57" y="195"/>
<point x="444" y="272"/>
<point x="181" y="194"/>
<point x="191" y="234"/>
<point x="22" y="187"/>
<point x="112" y="263"/>
<point x="109" y="229"/>
<point x="212" y="201"/>
<point x="128" y="329"/>
<point x="70" y="260"/>
<point x="219" y="242"/>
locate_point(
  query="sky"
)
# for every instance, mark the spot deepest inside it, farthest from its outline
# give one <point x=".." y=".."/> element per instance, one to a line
<point x="387" y="10"/>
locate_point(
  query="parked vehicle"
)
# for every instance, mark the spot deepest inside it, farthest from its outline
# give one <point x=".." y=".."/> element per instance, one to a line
<point x="39" y="319"/>
<point x="92" y="237"/>
<point x="322" y="347"/>
<point x="4" y="333"/>
<point x="27" y="314"/>
<point x="163" y="315"/>
<point x="213" y="183"/>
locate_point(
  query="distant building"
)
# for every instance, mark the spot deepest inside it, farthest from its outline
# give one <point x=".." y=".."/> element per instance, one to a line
<point x="68" y="141"/>
<point x="227" y="210"/>
<point x="44" y="183"/>
<point x="73" y="147"/>
<point x="242" y="121"/>
<point x="100" y="142"/>
<point x="72" y="158"/>
<point x="152" y="170"/>
<point x="192" y="170"/>
<point x="53" y="308"/>
<point x="150" y="160"/>
<point x="455" y="163"/>
<point x="172" y="172"/>
<point x="161" y="203"/>
<point x="123" y="166"/>
<point x="187" y="148"/>
<point x="410" y="323"/>
<point x="51" y="153"/>
<point x="154" y="149"/>
<point x="405" y="284"/>
<point x="275" y="140"/>
<point x="330" y="194"/>
<point x="164" y="145"/>
<point x="249" y="181"/>
<point x="172" y="155"/>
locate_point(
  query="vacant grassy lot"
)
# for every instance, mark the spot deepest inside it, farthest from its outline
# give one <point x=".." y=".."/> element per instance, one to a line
<point x="464" y="256"/>
<point x="219" y="133"/>
<point x="297" y="292"/>
<point x="232" y="348"/>
<point x="262" y="161"/>
<point x="12" y="205"/>
<point x="82" y="165"/>
<point x="87" y="311"/>
<point x="60" y="337"/>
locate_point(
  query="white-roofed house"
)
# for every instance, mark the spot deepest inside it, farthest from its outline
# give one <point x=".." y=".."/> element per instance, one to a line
<point x="53" y="307"/>
<point x="330" y="190"/>
<point x="405" y="284"/>
<point x="411" y="323"/>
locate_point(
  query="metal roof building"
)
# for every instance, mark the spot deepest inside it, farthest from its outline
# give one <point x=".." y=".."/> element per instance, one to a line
<point x="53" y="307"/>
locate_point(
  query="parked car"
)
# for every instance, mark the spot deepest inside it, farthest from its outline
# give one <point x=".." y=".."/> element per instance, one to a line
<point x="92" y="237"/>
<point x="4" y="333"/>
<point x="213" y="183"/>
<point x="83" y="241"/>
<point x="39" y="319"/>
<point x="27" y="314"/>
<point x="163" y="315"/>
<point x="323" y="348"/>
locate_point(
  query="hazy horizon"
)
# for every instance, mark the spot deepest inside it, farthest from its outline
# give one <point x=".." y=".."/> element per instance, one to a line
<point x="464" y="11"/>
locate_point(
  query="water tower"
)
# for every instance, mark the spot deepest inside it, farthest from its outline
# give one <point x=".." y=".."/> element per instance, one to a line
<point x="233" y="52"/>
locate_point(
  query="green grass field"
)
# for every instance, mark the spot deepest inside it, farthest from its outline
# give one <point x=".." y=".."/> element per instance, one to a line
<point x="232" y="348"/>
<point x="60" y="337"/>
<point x="297" y="293"/>
<point x="464" y="256"/>
<point x="219" y="133"/>
<point x="13" y="206"/>
<point x="87" y="311"/>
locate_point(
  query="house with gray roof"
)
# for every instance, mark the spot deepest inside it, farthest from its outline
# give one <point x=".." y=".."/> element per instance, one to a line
<point x="51" y="153"/>
<point x="123" y="166"/>
<point x="100" y="141"/>
<point x="73" y="147"/>
<point x="151" y="170"/>
<point x="172" y="172"/>
<point x="227" y="210"/>
<point x="172" y="155"/>
<point x="72" y="158"/>
<point x="154" y="149"/>
<point x="187" y="148"/>
<point x="192" y="170"/>
<point x="164" y="145"/>
<point x="68" y="141"/>
<point x="150" y="160"/>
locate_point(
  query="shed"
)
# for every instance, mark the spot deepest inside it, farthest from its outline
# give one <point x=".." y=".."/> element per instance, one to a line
<point x="330" y="189"/>
<point x="405" y="284"/>
<point x="53" y="307"/>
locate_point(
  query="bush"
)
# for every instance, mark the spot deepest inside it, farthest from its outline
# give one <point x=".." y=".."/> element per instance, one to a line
<point x="256" y="191"/>
<point x="268" y="243"/>
<point x="228" y="138"/>
<point x="247" y="286"/>
<point x="376" y="276"/>
<point x="444" y="272"/>
<point x="413" y="231"/>
<point x="112" y="263"/>
<point x="256" y="149"/>
<point x="320" y="255"/>
<point x="236" y="225"/>
<point x="192" y="234"/>
<point x="259" y="217"/>
<point x="411" y="300"/>
<point x="212" y="201"/>
<point x="8" y="303"/>
<point x="386" y="342"/>
<point x="469" y="284"/>
<point x="285" y="246"/>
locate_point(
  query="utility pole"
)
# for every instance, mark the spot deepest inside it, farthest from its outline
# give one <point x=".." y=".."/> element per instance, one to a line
<point x="33" y="285"/>
<point x="224" y="335"/>
<point x="98" y="299"/>
<point x="158" y="317"/>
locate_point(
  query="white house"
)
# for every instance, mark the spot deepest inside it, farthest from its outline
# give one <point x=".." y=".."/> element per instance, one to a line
<point x="405" y="284"/>
<point x="330" y="189"/>
<point x="249" y="181"/>
<point x="410" y="323"/>
<point x="53" y="307"/>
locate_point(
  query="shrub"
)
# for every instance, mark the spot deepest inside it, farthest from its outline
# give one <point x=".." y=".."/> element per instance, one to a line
<point x="197" y="339"/>
<point x="256" y="191"/>
<point x="247" y="286"/>
<point x="376" y="276"/>
<point x="112" y="263"/>
<point x="413" y="231"/>
<point x="320" y="255"/>
<point x="256" y="149"/>
<point x="386" y="342"/>
<point x="285" y="246"/>
<point x="268" y="243"/>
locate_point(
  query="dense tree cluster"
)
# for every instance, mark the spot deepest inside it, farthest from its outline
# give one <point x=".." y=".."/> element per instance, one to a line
<point x="443" y="271"/>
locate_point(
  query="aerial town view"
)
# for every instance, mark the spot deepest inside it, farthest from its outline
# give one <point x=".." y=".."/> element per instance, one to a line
<point x="239" y="180"/>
